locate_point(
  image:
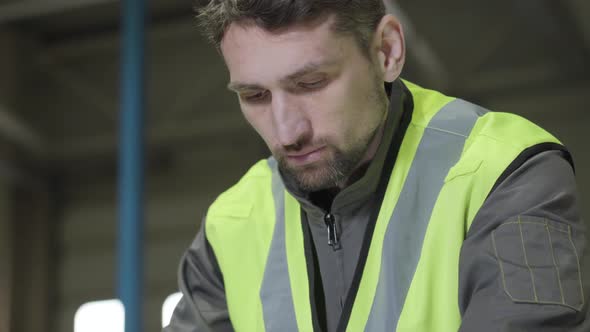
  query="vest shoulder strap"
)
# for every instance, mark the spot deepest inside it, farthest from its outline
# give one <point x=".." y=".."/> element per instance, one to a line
<point x="239" y="200"/>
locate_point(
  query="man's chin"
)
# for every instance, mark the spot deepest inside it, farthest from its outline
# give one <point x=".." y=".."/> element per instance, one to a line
<point x="310" y="178"/>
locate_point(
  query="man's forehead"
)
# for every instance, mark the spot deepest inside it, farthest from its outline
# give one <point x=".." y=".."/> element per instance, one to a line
<point x="254" y="54"/>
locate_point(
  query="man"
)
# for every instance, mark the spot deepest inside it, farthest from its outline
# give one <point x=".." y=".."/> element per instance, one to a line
<point x="384" y="207"/>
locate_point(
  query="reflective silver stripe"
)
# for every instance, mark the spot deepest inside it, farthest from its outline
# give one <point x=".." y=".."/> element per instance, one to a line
<point x="275" y="292"/>
<point x="440" y="148"/>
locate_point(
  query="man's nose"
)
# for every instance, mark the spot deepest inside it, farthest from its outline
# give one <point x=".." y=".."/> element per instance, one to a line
<point x="291" y="123"/>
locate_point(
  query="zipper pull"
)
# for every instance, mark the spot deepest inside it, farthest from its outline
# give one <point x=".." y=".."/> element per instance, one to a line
<point x="333" y="240"/>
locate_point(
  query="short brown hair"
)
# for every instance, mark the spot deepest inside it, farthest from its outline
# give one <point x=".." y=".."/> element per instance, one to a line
<point x="358" y="18"/>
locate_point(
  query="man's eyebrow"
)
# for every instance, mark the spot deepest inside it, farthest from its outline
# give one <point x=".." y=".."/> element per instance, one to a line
<point x="306" y="69"/>
<point x="237" y="86"/>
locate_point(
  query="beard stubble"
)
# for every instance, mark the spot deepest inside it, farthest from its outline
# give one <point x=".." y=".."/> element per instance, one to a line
<point x="335" y="170"/>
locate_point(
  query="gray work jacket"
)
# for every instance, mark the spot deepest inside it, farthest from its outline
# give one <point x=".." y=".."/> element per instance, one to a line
<point x="542" y="186"/>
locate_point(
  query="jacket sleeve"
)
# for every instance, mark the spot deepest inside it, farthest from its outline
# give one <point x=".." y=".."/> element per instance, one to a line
<point x="524" y="264"/>
<point x="203" y="307"/>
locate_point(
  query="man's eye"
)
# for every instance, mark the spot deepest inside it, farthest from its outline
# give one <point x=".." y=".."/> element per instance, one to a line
<point x="254" y="97"/>
<point x="313" y="84"/>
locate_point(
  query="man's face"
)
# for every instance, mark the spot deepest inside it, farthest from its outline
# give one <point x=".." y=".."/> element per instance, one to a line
<point x="311" y="95"/>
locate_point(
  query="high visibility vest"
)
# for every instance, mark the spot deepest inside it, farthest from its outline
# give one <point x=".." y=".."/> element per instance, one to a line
<point x="451" y="156"/>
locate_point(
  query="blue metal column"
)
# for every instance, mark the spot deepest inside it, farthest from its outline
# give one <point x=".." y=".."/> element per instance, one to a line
<point x="131" y="164"/>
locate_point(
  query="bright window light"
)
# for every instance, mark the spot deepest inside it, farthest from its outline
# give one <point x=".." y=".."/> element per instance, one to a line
<point x="100" y="316"/>
<point x="168" y="308"/>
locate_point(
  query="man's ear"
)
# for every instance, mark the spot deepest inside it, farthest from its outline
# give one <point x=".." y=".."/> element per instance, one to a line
<point x="389" y="44"/>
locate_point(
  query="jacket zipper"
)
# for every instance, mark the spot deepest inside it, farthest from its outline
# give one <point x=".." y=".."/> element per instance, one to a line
<point x="333" y="238"/>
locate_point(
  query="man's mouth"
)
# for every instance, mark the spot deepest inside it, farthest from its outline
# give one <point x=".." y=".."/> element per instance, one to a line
<point x="306" y="156"/>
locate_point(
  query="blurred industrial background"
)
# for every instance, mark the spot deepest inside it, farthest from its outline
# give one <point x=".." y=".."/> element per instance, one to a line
<point x="59" y="104"/>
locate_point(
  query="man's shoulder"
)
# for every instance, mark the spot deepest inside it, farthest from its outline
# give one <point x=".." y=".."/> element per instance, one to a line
<point x="511" y="133"/>
<point x="238" y="200"/>
<point x="505" y="128"/>
<point x="243" y="210"/>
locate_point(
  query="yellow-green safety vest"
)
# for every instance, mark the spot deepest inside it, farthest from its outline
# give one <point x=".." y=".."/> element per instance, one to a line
<point x="451" y="155"/>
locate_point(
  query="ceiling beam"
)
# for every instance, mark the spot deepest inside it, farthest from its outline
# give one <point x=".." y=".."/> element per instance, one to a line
<point x="27" y="9"/>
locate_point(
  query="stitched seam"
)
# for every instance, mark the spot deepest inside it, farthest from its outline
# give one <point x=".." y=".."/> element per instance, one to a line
<point x="569" y="233"/>
<point x="446" y="131"/>
<point x="548" y="302"/>
<point x="500" y="264"/>
<point x="526" y="261"/>
<point x="555" y="262"/>
<point x="537" y="301"/>
<point x="534" y="223"/>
